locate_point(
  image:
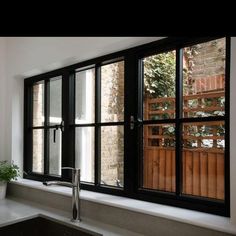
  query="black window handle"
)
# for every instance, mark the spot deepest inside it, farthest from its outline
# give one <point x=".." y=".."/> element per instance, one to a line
<point x="61" y="127"/>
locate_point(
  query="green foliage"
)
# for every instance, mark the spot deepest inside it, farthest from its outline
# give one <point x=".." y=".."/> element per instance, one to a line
<point x="8" y="171"/>
<point x="159" y="75"/>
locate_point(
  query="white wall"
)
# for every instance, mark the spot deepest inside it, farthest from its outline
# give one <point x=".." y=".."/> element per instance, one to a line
<point x="29" y="56"/>
<point x="4" y="155"/>
<point x="2" y="96"/>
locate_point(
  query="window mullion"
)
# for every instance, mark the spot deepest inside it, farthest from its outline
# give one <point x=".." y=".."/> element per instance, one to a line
<point x="46" y="123"/>
<point x="97" y="127"/>
<point x="178" y="115"/>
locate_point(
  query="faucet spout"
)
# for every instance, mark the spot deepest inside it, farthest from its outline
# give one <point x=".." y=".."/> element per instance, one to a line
<point x="61" y="183"/>
<point x="75" y="184"/>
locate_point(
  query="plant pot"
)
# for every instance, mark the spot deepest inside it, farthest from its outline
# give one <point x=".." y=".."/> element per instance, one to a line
<point x="3" y="189"/>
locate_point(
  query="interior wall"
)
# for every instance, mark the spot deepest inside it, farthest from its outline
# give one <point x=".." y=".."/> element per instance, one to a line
<point x="3" y="100"/>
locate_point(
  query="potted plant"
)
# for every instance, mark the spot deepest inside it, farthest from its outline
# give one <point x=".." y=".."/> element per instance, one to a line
<point x="8" y="171"/>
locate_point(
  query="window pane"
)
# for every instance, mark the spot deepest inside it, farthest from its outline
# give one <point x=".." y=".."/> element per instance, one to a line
<point x="159" y="86"/>
<point x="38" y="104"/>
<point x="204" y="79"/>
<point x="84" y="152"/>
<point x="38" y="150"/>
<point x="112" y="92"/>
<point x="159" y="157"/>
<point x="203" y="159"/>
<point x="112" y="155"/>
<point x="55" y="109"/>
<point x="55" y="152"/>
<point x="84" y="103"/>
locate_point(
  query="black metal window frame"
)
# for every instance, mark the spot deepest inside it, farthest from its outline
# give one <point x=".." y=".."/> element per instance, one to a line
<point x="132" y="107"/>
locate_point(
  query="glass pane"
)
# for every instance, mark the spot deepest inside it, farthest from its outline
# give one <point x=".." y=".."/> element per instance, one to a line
<point x="204" y="79"/>
<point x="112" y="155"/>
<point x="159" y="157"/>
<point x="203" y="159"/>
<point x="84" y="152"/>
<point x="55" y="110"/>
<point x="38" y="104"/>
<point x="38" y="150"/>
<point x="55" y="140"/>
<point x="112" y="92"/>
<point x="159" y="86"/>
<point x="84" y="103"/>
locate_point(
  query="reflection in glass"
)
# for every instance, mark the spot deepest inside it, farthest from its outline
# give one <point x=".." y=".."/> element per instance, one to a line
<point x="203" y="159"/>
<point x="84" y="91"/>
<point x="159" y="157"/>
<point x="55" y="109"/>
<point x="38" y="150"/>
<point x="112" y="155"/>
<point x="112" y="92"/>
<point x="84" y="152"/>
<point x="55" y="152"/>
<point x="204" y="79"/>
<point x="159" y="86"/>
<point x="38" y="104"/>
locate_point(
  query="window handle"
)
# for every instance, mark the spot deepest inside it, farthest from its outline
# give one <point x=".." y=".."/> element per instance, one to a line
<point x="54" y="134"/>
<point x="134" y="122"/>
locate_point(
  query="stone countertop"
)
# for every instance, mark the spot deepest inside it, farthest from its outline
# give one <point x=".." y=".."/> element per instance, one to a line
<point x="13" y="210"/>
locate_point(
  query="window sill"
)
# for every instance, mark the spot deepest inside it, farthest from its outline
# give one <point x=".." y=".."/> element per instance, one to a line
<point x="196" y="218"/>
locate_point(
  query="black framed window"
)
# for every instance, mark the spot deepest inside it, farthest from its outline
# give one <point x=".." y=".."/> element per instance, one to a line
<point x="149" y="123"/>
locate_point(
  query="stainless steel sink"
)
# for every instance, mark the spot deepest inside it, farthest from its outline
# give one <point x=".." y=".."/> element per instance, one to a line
<point x="44" y="227"/>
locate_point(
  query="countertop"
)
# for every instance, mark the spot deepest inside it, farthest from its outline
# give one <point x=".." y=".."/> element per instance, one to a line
<point x="13" y="210"/>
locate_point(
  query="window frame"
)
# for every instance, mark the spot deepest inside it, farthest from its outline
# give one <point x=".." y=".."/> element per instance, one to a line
<point x="132" y="155"/>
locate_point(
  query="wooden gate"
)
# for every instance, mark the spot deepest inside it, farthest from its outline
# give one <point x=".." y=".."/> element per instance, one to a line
<point x="202" y="167"/>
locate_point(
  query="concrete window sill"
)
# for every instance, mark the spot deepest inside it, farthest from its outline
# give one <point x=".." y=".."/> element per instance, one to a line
<point x="205" y="220"/>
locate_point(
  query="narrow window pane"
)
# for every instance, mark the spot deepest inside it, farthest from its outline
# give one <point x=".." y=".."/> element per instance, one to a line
<point x="112" y="155"/>
<point x="38" y="150"/>
<point x="38" y="104"/>
<point x="84" y="152"/>
<point x="159" y="157"/>
<point x="159" y="86"/>
<point x="204" y="79"/>
<point x="84" y="91"/>
<point x="112" y="92"/>
<point x="203" y="159"/>
<point x="55" y="108"/>
<point x="55" y="140"/>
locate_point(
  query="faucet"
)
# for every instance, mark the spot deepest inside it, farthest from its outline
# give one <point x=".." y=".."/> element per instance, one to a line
<point x="75" y="184"/>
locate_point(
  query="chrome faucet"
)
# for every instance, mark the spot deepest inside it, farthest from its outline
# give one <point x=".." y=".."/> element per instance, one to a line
<point x="75" y="184"/>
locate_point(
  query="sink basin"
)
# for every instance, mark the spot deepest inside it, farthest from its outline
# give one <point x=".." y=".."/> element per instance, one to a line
<point x="43" y="227"/>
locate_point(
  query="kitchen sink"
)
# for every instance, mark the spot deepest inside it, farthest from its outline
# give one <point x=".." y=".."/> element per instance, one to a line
<point x="44" y="227"/>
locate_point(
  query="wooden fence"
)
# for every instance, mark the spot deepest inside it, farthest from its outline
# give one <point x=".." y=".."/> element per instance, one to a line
<point x="202" y="167"/>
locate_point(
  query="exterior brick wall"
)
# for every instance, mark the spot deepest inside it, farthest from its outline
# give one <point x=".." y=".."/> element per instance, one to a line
<point x="208" y="70"/>
<point x="112" y="145"/>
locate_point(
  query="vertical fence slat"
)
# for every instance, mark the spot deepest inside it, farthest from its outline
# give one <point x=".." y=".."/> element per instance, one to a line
<point x="220" y="176"/>
<point x="162" y="169"/>
<point x="150" y="169"/>
<point x="184" y="171"/>
<point x="196" y="173"/>
<point x="173" y="170"/>
<point x="211" y="175"/>
<point x="155" y="156"/>
<point x="168" y="170"/>
<point x="189" y="172"/>
<point x="203" y="174"/>
<point x="145" y="168"/>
